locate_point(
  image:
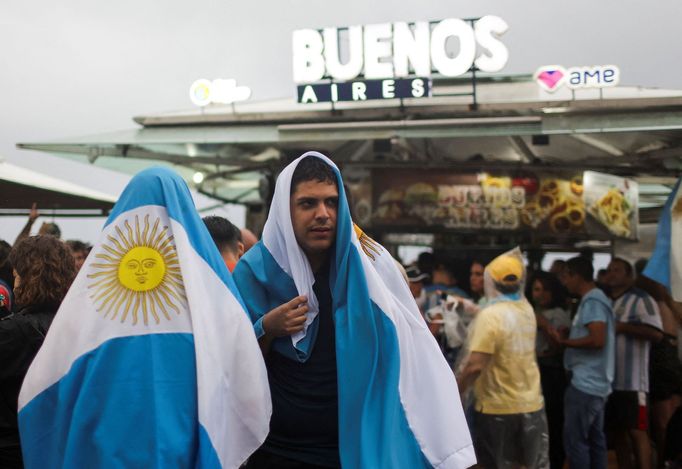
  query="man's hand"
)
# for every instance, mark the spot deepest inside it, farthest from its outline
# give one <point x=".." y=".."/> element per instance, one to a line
<point x="286" y="319"/>
<point x="471" y="370"/>
<point x="595" y="339"/>
<point x="26" y="231"/>
<point x="33" y="214"/>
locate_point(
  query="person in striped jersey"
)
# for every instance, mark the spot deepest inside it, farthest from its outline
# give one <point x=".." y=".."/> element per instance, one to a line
<point x="638" y="324"/>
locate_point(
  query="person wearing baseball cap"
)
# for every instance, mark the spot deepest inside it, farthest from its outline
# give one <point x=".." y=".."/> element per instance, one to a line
<point x="510" y="427"/>
<point x="507" y="272"/>
<point x="416" y="279"/>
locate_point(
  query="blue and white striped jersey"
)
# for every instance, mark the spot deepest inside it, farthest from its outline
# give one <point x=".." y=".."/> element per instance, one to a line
<point x="635" y="306"/>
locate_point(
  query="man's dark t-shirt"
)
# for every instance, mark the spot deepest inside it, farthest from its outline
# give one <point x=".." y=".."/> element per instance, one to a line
<point x="304" y="424"/>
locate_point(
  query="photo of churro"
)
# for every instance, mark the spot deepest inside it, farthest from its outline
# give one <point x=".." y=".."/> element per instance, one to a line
<point x="612" y="202"/>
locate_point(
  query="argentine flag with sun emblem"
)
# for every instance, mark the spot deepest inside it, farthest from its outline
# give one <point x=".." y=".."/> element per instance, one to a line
<point x="151" y="360"/>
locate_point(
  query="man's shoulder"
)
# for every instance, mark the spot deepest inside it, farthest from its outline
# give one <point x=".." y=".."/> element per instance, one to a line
<point x="596" y="297"/>
<point x="258" y="272"/>
<point x="638" y="294"/>
<point x="634" y="298"/>
<point x="595" y="306"/>
<point x="496" y="309"/>
<point x="505" y="302"/>
<point x="640" y="304"/>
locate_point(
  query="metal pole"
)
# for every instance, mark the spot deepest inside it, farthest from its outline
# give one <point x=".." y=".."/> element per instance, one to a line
<point x="474" y="106"/>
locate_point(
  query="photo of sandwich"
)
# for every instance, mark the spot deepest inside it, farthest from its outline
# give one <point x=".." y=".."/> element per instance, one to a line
<point x="421" y="193"/>
<point x="421" y="200"/>
<point x="390" y="205"/>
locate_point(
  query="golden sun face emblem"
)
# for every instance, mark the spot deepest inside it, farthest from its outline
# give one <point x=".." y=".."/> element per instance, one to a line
<point x="138" y="274"/>
<point x="369" y="246"/>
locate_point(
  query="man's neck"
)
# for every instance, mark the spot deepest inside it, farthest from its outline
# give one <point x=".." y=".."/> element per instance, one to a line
<point x="317" y="260"/>
<point x="617" y="292"/>
<point x="586" y="287"/>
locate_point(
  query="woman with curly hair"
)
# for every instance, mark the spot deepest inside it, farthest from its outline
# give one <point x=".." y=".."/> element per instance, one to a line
<point x="43" y="272"/>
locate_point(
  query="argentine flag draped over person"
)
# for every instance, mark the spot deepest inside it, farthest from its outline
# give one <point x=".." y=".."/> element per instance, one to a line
<point x="665" y="265"/>
<point x="151" y="361"/>
<point x="399" y="406"/>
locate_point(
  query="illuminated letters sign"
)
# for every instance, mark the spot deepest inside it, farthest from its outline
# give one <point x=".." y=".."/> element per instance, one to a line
<point x="399" y="50"/>
<point x="552" y="77"/>
<point x="364" y="90"/>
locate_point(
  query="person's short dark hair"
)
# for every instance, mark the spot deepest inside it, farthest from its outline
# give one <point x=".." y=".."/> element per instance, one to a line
<point x="312" y="168"/>
<point x="45" y="265"/>
<point x="559" y="263"/>
<point x="551" y="283"/>
<point x="508" y="289"/>
<point x="626" y="265"/>
<point x="78" y="246"/>
<point x="582" y="267"/>
<point x="446" y="266"/>
<point x="52" y="229"/>
<point x="224" y="233"/>
<point x="587" y="253"/>
<point x="640" y="265"/>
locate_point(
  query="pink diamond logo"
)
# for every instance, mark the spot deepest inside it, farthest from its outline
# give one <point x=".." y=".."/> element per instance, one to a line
<point x="550" y="77"/>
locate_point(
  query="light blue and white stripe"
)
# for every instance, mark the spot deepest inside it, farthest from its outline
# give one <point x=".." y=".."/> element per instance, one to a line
<point x="665" y="265"/>
<point x="632" y="354"/>
<point x="189" y="390"/>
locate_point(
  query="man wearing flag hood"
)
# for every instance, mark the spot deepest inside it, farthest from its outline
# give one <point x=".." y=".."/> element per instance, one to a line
<point x="355" y="376"/>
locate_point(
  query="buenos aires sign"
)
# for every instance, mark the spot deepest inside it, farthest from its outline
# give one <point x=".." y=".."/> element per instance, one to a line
<point x="392" y="52"/>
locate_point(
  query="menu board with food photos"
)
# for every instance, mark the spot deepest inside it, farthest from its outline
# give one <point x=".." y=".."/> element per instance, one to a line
<point x="613" y="202"/>
<point x="526" y="200"/>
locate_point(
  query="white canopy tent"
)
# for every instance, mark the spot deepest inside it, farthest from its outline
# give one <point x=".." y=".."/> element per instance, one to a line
<point x="80" y="210"/>
<point x="21" y="187"/>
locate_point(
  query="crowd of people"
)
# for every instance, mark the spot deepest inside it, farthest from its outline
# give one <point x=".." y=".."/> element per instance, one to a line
<point x="602" y="353"/>
<point x="554" y="367"/>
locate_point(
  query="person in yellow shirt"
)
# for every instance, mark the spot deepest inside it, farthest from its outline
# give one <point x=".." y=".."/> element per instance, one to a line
<point x="510" y="427"/>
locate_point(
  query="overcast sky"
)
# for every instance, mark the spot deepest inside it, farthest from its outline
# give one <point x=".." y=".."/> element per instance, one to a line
<point x="77" y="67"/>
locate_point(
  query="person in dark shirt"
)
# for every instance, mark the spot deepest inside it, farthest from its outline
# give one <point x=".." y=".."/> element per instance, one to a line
<point x="347" y="351"/>
<point x="43" y="270"/>
<point x="304" y="424"/>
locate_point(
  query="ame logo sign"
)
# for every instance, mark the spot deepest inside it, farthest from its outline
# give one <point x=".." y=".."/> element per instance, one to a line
<point x="552" y="77"/>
